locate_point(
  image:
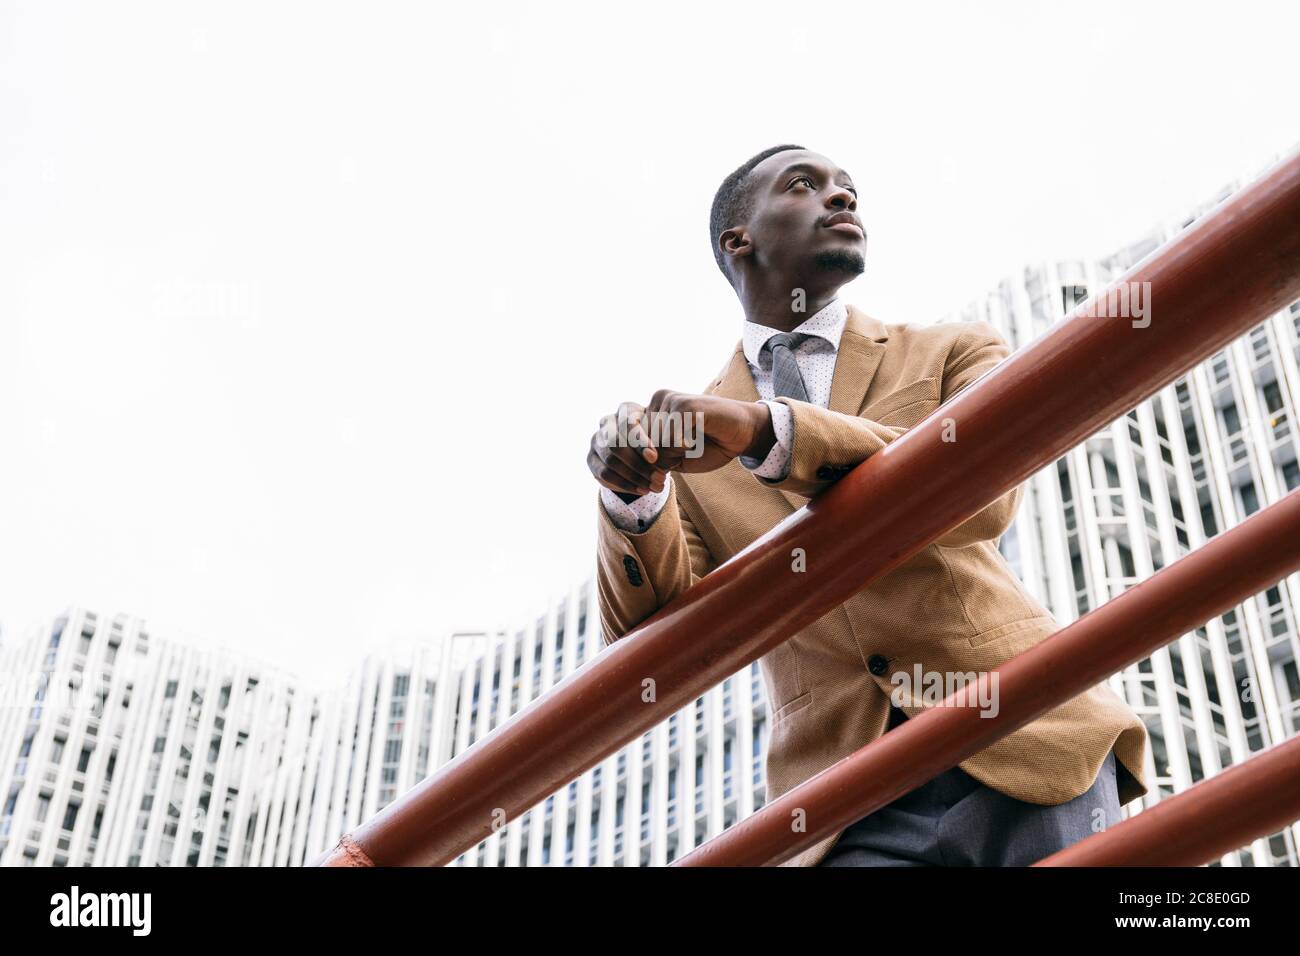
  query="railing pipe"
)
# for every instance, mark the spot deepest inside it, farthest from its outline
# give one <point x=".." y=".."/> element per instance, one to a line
<point x="1211" y="283"/>
<point x="1242" y="561"/>
<point x="1255" y="798"/>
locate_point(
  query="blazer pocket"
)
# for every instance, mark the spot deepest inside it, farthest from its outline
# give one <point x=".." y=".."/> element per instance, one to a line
<point x="1012" y="627"/>
<point x="906" y="405"/>
<point x="790" y="706"/>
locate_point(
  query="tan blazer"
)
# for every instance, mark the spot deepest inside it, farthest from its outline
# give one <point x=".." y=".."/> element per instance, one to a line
<point x="825" y="700"/>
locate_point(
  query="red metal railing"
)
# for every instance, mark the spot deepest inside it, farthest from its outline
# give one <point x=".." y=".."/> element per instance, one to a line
<point x="1218" y="815"/>
<point x="1232" y="269"/>
<point x="1180" y="597"/>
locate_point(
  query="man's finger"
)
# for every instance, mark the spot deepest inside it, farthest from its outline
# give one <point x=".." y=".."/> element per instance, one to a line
<point x="613" y="474"/>
<point x="640" y="438"/>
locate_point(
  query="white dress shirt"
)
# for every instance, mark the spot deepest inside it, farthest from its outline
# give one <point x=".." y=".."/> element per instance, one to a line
<point x="816" y="359"/>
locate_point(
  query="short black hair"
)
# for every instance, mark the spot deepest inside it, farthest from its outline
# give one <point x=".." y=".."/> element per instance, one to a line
<point x="733" y="202"/>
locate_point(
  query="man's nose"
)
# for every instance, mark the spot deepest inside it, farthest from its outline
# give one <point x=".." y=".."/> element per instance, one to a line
<point x="840" y="198"/>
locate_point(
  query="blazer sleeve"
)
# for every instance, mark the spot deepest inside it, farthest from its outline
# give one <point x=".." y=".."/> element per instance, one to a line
<point x="828" y="444"/>
<point x="637" y="573"/>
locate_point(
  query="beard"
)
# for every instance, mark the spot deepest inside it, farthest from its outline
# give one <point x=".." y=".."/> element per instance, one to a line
<point x="848" y="261"/>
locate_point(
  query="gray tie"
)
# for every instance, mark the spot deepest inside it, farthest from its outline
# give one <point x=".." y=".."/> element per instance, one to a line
<point x="786" y="378"/>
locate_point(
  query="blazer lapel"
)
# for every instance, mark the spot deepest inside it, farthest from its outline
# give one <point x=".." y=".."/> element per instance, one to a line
<point x="737" y="381"/>
<point x="861" y="347"/>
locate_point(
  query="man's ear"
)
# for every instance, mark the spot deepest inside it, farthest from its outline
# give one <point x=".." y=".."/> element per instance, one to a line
<point x="735" y="243"/>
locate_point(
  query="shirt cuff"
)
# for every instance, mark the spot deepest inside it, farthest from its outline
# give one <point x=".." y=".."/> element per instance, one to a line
<point x="777" y="463"/>
<point x="641" y="513"/>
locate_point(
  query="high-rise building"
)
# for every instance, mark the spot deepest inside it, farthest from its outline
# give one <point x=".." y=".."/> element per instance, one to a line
<point x="403" y="716"/>
<point x="397" y="718"/>
<point x="117" y="749"/>
<point x="678" y="784"/>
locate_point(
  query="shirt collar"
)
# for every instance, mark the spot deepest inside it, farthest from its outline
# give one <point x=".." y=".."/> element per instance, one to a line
<point x="827" y="324"/>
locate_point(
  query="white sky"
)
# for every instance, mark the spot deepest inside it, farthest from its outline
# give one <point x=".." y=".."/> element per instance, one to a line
<point x="308" y="312"/>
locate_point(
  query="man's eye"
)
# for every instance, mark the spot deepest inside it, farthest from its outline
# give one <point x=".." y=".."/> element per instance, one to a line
<point x="802" y="179"/>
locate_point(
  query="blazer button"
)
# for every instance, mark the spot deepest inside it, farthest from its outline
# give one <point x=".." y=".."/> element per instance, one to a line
<point x="877" y="665"/>
<point x="633" y="572"/>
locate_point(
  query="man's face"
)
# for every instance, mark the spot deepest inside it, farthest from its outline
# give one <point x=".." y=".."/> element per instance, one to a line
<point x="804" y="222"/>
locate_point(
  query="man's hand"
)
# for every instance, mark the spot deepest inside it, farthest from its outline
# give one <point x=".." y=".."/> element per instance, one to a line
<point x="622" y="457"/>
<point x="633" y="449"/>
<point x="694" y="433"/>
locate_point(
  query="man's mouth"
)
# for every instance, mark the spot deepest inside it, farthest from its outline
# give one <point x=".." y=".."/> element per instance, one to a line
<point x="847" y="223"/>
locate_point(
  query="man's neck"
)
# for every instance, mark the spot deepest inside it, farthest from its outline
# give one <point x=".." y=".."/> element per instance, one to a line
<point x="785" y="309"/>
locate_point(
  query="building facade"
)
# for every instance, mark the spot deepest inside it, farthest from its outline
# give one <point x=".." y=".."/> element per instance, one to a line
<point x="117" y="749"/>
<point x="120" y="749"/>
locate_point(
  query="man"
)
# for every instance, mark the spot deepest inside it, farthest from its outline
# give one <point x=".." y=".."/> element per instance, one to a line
<point x="813" y="388"/>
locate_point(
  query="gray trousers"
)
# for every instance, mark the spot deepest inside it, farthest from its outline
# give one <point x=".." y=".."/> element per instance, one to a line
<point x="954" y="820"/>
